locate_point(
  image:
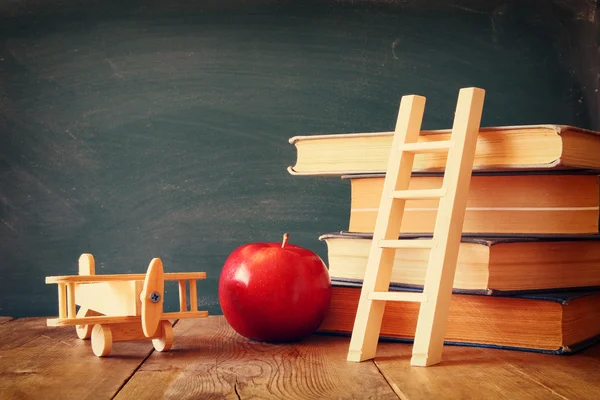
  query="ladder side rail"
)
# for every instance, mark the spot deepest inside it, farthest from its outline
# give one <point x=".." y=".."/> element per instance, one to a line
<point x="433" y="315"/>
<point x="367" y="324"/>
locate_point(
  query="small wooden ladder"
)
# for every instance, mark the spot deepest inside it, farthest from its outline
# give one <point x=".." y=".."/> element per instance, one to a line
<point x="437" y="291"/>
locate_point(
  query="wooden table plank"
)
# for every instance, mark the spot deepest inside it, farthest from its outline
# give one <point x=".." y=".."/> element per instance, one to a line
<point x="42" y="362"/>
<point x="210" y="361"/>
<point x="469" y="373"/>
<point x="572" y="377"/>
<point x="4" y="320"/>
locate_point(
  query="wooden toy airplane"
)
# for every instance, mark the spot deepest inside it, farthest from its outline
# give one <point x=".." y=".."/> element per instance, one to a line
<point x="125" y="307"/>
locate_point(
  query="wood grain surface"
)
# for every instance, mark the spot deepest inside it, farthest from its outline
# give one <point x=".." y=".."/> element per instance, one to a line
<point x="4" y="320"/>
<point x="467" y="372"/>
<point x="40" y="362"/>
<point x="210" y="361"/>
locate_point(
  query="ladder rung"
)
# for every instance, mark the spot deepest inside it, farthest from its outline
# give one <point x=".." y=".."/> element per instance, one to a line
<point x="419" y="194"/>
<point x="408" y="244"/>
<point x="428" y="147"/>
<point x="415" y="297"/>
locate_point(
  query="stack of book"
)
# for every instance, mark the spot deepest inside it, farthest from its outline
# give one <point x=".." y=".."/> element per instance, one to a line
<point x="528" y="271"/>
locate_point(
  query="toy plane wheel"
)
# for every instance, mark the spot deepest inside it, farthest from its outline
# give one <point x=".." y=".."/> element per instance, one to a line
<point x="85" y="331"/>
<point x="101" y="340"/>
<point x="165" y="341"/>
<point x="152" y="297"/>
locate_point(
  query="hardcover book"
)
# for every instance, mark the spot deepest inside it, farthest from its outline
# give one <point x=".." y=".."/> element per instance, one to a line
<point x="530" y="147"/>
<point x="531" y="203"/>
<point x="557" y="323"/>
<point x="486" y="264"/>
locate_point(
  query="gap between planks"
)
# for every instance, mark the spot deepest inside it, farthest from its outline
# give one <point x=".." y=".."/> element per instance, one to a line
<point x="315" y="368"/>
<point x="392" y="385"/>
<point x="126" y="381"/>
<point x="235" y="389"/>
<point x="575" y="375"/>
<point x="532" y="379"/>
<point x="38" y="361"/>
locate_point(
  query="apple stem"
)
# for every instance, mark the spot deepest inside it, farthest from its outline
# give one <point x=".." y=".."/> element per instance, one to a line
<point x="285" y="239"/>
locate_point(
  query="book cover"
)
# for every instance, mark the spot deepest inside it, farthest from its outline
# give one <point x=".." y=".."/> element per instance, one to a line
<point x="553" y="323"/>
<point x="540" y="203"/>
<point x="486" y="263"/>
<point x="525" y="148"/>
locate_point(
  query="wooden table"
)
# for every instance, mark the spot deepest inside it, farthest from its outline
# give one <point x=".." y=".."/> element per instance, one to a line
<point x="210" y="361"/>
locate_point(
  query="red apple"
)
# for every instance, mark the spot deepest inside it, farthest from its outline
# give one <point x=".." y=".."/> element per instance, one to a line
<point x="274" y="292"/>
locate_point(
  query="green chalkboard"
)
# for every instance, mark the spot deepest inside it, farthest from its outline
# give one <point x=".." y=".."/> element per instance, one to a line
<point x="133" y="130"/>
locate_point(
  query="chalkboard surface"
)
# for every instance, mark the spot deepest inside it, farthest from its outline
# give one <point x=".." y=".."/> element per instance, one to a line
<point x="160" y="129"/>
